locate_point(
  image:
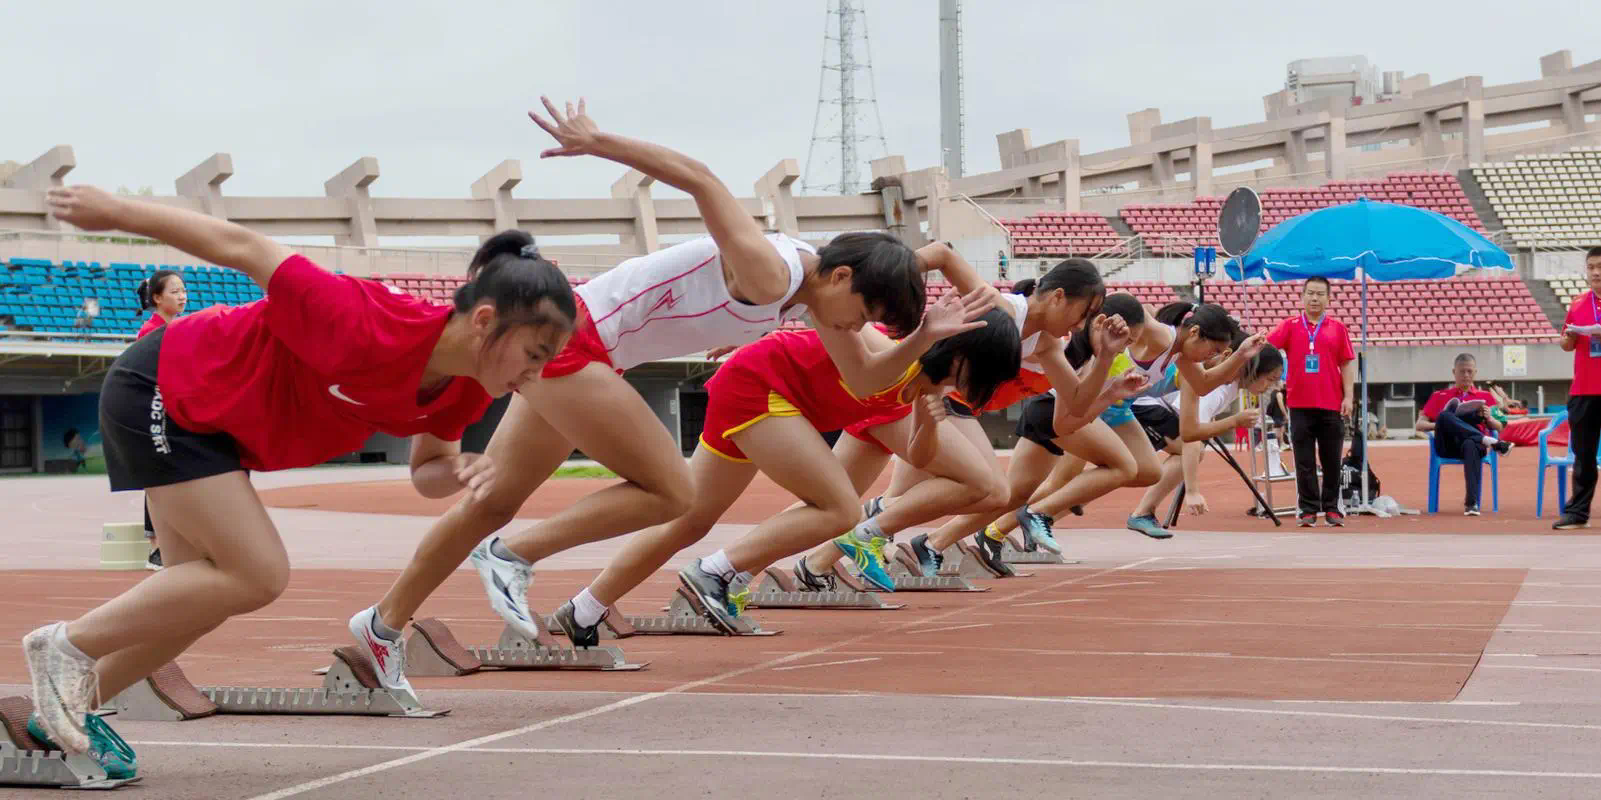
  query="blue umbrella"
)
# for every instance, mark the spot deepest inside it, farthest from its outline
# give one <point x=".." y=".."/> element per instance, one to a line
<point x="1387" y="242"/>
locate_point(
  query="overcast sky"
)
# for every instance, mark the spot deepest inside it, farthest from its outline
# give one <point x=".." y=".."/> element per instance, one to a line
<point x="296" y="91"/>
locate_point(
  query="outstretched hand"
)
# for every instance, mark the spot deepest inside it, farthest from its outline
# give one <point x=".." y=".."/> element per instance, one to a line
<point x="1253" y="345"/>
<point x="574" y="131"/>
<point x="1129" y="384"/>
<point x="84" y="207"/>
<point x="952" y="314"/>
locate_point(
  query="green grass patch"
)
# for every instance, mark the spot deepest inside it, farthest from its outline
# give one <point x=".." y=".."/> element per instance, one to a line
<point x="584" y="472"/>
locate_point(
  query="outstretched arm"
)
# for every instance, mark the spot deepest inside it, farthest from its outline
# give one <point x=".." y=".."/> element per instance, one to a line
<point x="939" y="257"/>
<point x="759" y="273"/>
<point x="869" y="363"/>
<point x="207" y="238"/>
<point x="1205" y="380"/>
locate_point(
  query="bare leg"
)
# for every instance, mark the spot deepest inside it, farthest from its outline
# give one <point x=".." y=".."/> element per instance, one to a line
<point x="1030" y="465"/>
<point x="788" y="450"/>
<point x="1067" y="468"/>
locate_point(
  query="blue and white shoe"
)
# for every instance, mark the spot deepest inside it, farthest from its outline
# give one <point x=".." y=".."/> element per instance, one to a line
<point x="873" y="507"/>
<point x="869" y="558"/>
<point x="1037" y="529"/>
<point x="1147" y="524"/>
<point x="106" y="748"/>
<point x="506" y="582"/>
<point x="928" y="559"/>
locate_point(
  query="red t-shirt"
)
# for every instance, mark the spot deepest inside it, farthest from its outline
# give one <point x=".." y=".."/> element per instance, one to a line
<point x="1437" y="401"/>
<point x="1325" y="388"/>
<point x="155" y="321"/>
<point x="797" y="366"/>
<point x="311" y="370"/>
<point x="1587" y="356"/>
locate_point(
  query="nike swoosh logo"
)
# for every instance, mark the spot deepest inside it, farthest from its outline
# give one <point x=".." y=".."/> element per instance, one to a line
<point x="504" y="590"/>
<point x="334" y="390"/>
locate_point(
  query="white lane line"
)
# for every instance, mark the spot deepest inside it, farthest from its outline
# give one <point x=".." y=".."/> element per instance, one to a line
<point x="1057" y="602"/>
<point x="827" y="664"/>
<point x="435" y="752"/>
<point x="953" y="628"/>
<point x="1124" y="583"/>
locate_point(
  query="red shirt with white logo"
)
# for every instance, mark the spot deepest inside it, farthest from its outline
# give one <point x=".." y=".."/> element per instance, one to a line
<point x="1325" y="388"/>
<point x="1437" y="401"/>
<point x="312" y="370"/>
<point x="154" y="323"/>
<point x="1587" y="356"/>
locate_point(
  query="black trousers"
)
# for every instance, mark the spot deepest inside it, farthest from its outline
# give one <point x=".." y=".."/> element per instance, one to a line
<point x="1318" y="436"/>
<point x="1456" y="436"/>
<point x="1584" y="431"/>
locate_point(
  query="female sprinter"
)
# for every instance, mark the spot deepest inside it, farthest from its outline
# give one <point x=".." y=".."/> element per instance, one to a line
<point x="729" y="288"/>
<point x="164" y="292"/>
<point x="1066" y="298"/>
<point x="1185" y="336"/>
<point x="1162" y="418"/>
<point x="303" y="375"/>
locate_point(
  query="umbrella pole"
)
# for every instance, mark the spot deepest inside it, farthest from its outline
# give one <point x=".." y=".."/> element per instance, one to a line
<point x="1362" y="367"/>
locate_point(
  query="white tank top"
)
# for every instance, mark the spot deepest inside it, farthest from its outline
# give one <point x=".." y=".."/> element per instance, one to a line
<point x="1160" y="373"/>
<point x="674" y="302"/>
<point x="1031" y="360"/>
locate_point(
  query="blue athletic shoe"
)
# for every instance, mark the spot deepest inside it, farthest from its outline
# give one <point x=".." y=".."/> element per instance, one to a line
<point x="105" y="746"/>
<point x="1147" y="524"/>
<point x="869" y="558"/>
<point x="1037" y="529"/>
<point x="929" y="559"/>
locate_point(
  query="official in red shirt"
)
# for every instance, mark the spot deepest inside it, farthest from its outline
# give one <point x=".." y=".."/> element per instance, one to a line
<point x="1320" y="379"/>
<point x="305" y="374"/>
<point x="1459" y="417"/>
<point x="1582" y="336"/>
<point x="164" y="296"/>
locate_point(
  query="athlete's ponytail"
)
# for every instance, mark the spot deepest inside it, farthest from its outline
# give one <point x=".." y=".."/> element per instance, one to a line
<point x="152" y="286"/>
<point x="1210" y="321"/>
<point x="508" y="273"/>
<point x="1024" y="287"/>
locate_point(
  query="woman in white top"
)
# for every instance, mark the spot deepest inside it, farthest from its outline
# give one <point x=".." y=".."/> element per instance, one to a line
<point x="725" y="289"/>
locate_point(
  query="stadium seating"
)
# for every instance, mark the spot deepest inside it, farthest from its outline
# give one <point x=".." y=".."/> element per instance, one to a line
<point x="42" y="296"/>
<point x="1061" y="234"/>
<point x="1567" y="288"/>
<point x="1547" y="201"/>
<point x="1480" y="308"/>
<point x="1177" y="228"/>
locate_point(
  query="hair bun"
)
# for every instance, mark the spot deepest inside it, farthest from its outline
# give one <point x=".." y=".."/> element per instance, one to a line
<point x="530" y="251"/>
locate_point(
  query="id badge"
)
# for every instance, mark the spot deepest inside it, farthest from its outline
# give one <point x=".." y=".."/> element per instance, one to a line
<point x="1595" y="347"/>
<point x="1312" y="361"/>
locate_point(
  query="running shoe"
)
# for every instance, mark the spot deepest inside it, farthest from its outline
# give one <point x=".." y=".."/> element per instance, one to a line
<point x="711" y="591"/>
<point x="1306" y="520"/>
<point x="1502" y="447"/>
<point x="1147" y="524"/>
<point x="1471" y="511"/>
<point x="869" y="558"/>
<point x="106" y="748"/>
<point x="506" y="582"/>
<point x="387" y="656"/>
<point x="580" y="635"/>
<point x="989" y="551"/>
<point x="65" y="688"/>
<point x="1334" y="519"/>
<point x="739" y="600"/>
<point x="809" y="581"/>
<point x="929" y="560"/>
<point x="1037" y="529"/>
<point x="1570" y="522"/>
<point x="873" y="507"/>
<point x="153" y="563"/>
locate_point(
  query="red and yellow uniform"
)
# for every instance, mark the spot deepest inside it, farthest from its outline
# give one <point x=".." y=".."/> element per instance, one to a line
<point x="789" y="374"/>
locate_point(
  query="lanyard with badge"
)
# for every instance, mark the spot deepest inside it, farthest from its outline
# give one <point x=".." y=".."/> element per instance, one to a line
<point x="1312" y="360"/>
<point x="1595" y="319"/>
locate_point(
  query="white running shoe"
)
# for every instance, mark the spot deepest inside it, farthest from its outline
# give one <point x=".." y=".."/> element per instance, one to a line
<point x="64" y="688"/>
<point x="387" y="657"/>
<point x="506" y="583"/>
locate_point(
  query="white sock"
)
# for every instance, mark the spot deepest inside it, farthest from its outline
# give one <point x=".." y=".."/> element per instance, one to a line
<point x="381" y="630"/>
<point x="1488" y="442"/>
<point x="717" y="564"/>
<point x="586" y="609"/>
<point x="867" y="530"/>
<point x="59" y="639"/>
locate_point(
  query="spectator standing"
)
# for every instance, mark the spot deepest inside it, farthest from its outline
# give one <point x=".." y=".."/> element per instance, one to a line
<point x="1320" y="383"/>
<point x="1581" y="335"/>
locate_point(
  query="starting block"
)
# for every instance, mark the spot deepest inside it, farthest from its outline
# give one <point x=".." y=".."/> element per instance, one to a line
<point x="1014" y="551"/>
<point x="778" y="589"/>
<point x="682" y="616"/>
<point x="433" y="651"/>
<point x="25" y="762"/>
<point x="909" y="577"/>
<point x="963" y="562"/>
<point x="350" y="688"/>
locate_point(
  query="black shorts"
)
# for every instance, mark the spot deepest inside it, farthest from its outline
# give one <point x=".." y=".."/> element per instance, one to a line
<point x="1036" y="423"/>
<point x="957" y="408"/>
<point x="1160" y="423"/>
<point x="145" y="448"/>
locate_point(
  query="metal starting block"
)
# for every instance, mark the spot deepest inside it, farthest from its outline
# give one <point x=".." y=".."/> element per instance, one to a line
<point x="680" y="617"/>
<point x="909" y="577"/>
<point x="349" y="688"/>
<point x="25" y="762"/>
<point x="778" y="589"/>
<point x="433" y="651"/>
<point x="961" y="561"/>
<point x="1014" y="551"/>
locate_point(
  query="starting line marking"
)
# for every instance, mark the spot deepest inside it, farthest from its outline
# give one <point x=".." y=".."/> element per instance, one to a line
<point x="827" y="663"/>
<point x="954" y="627"/>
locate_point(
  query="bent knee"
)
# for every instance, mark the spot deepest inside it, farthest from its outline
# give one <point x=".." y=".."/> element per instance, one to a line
<point x="259" y="587"/>
<point x="1146" y="477"/>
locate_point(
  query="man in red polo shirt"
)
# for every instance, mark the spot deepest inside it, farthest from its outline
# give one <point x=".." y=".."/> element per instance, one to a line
<point x="1459" y="416"/>
<point x="1581" y="335"/>
<point x="1321" y="376"/>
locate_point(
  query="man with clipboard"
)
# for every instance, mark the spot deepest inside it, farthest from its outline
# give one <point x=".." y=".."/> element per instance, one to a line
<point x="1321" y="377"/>
<point x="1581" y="335"/>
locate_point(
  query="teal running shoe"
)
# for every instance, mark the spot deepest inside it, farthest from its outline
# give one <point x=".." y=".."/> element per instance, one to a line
<point x="869" y="558"/>
<point x="105" y="746"/>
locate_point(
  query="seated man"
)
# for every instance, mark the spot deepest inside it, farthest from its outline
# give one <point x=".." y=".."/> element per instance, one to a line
<point x="1458" y="415"/>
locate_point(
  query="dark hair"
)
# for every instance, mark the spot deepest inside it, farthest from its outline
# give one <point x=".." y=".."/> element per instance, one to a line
<point x="508" y="272"/>
<point x="1119" y="304"/>
<point x="1210" y="321"/>
<point x="1265" y="361"/>
<point x="1076" y="277"/>
<point x="993" y="355"/>
<point x="884" y="271"/>
<point x="1465" y="358"/>
<point x="152" y="286"/>
<point x="66" y="436"/>
<point x="1318" y="279"/>
<point x="1594" y="252"/>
